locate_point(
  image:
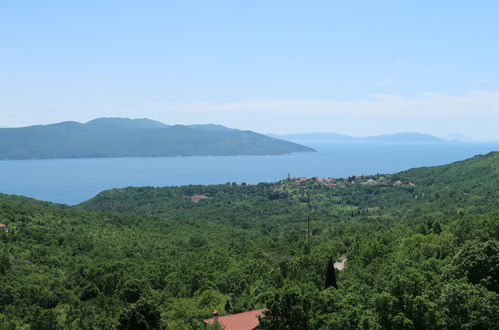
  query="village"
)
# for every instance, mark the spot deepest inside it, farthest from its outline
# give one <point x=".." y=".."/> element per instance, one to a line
<point x="380" y="180"/>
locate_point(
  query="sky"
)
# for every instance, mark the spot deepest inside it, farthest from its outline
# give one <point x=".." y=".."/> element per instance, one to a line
<point x="350" y="67"/>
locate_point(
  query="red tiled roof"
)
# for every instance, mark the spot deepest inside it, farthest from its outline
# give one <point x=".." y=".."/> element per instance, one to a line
<point x="2" y="225"/>
<point x="241" y="321"/>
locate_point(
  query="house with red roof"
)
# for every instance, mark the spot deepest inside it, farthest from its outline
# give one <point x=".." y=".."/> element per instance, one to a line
<point x="240" y="321"/>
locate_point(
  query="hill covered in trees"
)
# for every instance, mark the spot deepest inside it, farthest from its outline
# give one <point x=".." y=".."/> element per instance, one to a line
<point x="123" y="137"/>
<point x="469" y="186"/>
<point x="421" y="247"/>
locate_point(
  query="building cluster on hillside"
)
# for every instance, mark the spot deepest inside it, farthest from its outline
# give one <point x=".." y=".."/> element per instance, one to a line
<point x="197" y="198"/>
<point x="302" y="179"/>
<point x="385" y="180"/>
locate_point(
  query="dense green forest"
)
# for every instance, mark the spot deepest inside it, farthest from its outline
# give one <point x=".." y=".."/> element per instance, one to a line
<point x="124" y="137"/>
<point x="421" y="249"/>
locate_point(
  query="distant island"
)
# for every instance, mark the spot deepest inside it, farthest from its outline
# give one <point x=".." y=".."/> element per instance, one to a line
<point x="124" y="137"/>
<point x="404" y="137"/>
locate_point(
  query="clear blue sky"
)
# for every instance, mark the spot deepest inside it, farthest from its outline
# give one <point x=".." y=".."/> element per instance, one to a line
<point x="351" y="67"/>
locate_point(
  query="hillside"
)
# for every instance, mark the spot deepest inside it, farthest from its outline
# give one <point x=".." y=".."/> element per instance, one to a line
<point x="168" y="257"/>
<point x="122" y="137"/>
<point x="470" y="185"/>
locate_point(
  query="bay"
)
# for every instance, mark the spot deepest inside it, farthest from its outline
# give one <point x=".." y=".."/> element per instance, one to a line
<point x="71" y="181"/>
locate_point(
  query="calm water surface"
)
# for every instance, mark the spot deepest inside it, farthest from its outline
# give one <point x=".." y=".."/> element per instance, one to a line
<point x="72" y="181"/>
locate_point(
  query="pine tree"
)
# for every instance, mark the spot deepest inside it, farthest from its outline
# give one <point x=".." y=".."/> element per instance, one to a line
<point x="228" y="307"/>
<point x="330" y="275"/>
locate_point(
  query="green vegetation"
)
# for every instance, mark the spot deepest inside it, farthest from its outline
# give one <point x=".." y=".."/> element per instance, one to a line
<point x="421" y="246"/>
<point x="122" y="137"/>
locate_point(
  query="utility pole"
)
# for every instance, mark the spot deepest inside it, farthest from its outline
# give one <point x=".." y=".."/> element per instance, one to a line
<point x="308" y="221"/>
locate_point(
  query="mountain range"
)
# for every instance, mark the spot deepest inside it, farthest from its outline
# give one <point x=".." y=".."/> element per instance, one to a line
<point x="335" y="138"/>
<point x="124" y="137"/>
<point x="458" y="137"/>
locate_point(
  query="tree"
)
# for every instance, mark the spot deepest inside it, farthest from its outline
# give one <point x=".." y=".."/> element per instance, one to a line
<point x="89" y="291"/>
<point x="132" y="289"/>
<point x="143" y="315"/>
<point x="290" y="307"/>
<point x="466" y="305"/>
<point x="4" y="262"/>
<point x="44" y="319"/>
<point x="330" y="275"/>
<point x="7" y="295"/>
<point x="228" y="307"/>
<point x="479" y="263"/>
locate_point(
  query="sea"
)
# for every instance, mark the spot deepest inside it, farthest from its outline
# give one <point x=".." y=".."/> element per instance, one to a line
<point x="72" y="181"/>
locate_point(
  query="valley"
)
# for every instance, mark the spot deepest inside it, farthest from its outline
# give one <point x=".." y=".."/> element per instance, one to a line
<point x="418" y="256"/>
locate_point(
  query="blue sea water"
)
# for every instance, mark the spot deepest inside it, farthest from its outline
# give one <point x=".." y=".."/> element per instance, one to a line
<point x="71" y="181"/>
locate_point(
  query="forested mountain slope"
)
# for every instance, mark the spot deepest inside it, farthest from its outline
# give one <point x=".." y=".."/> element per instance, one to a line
<point x="469" y="186"/>
<point x="411" y="262"/>
<point x="477" y="174"/>
<point x="123" y="137"/>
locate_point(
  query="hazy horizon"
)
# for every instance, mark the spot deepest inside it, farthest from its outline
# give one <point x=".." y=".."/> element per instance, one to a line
<point x="449" y="137"/>
<point x="355" y="69"/>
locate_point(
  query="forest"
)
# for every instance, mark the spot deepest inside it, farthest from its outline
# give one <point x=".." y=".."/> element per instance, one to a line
<point x="421" y="250"/>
